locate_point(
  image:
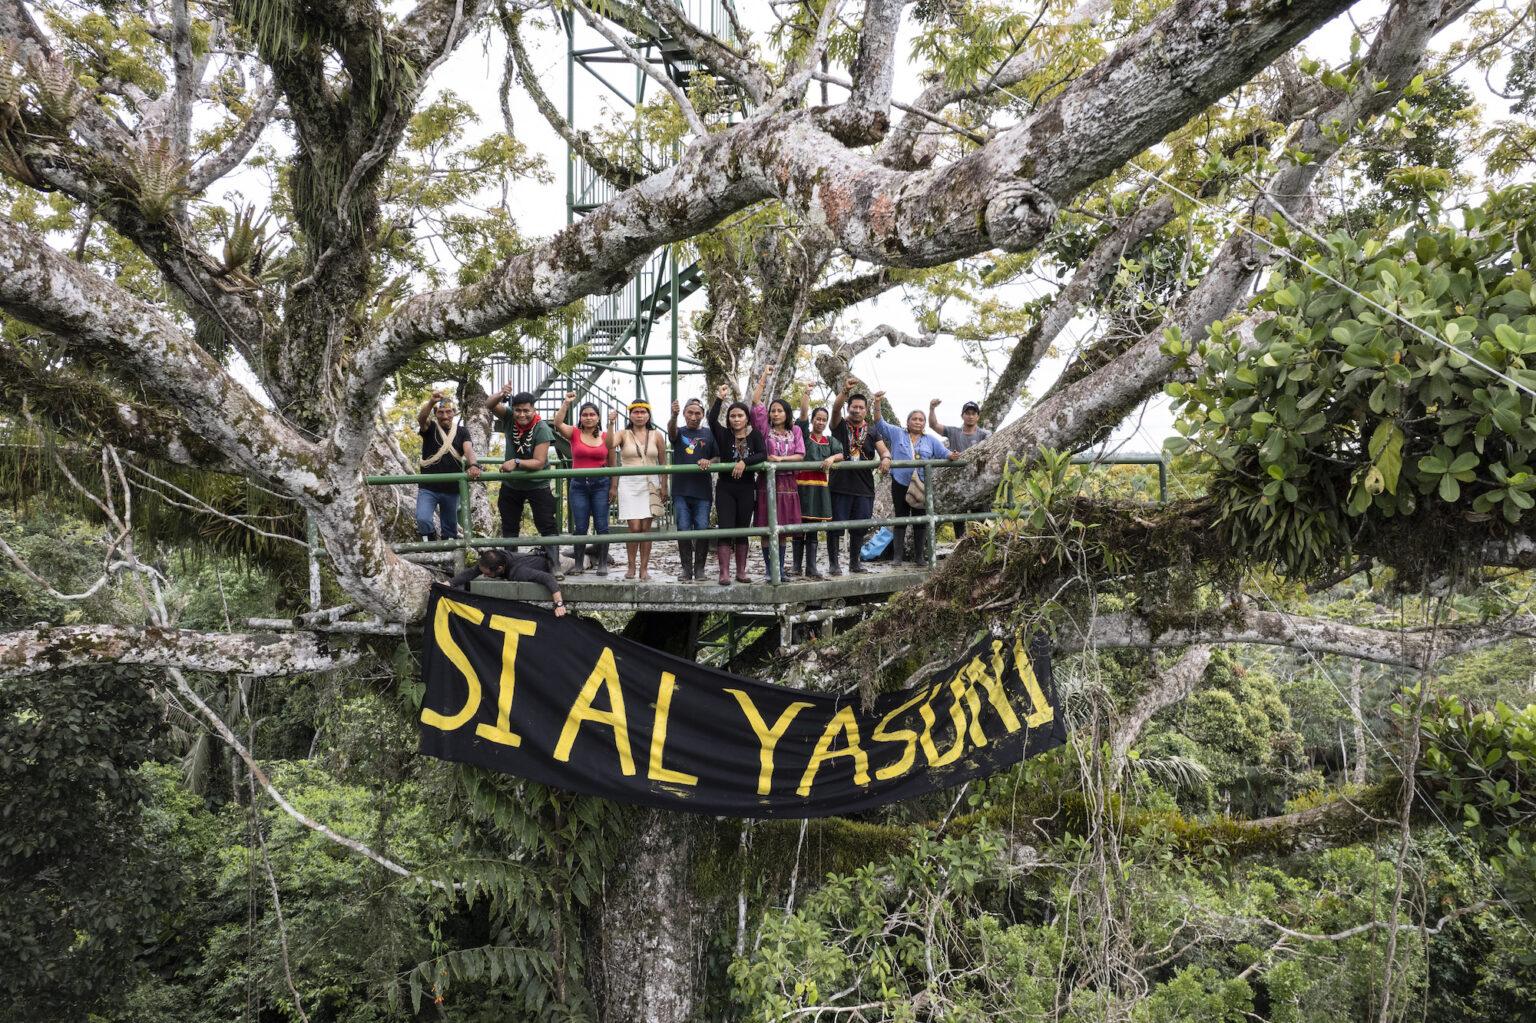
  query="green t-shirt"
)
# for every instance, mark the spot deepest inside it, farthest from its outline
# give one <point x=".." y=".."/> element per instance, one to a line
<point x="523" y="446"/>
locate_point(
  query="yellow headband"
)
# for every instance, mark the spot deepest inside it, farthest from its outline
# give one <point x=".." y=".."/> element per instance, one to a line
<point x="639" y="404"/>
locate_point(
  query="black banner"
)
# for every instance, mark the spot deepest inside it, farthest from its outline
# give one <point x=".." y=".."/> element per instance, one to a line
<point x="564" y="702"/>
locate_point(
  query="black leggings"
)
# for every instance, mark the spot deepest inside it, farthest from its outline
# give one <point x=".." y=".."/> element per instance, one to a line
<point x="735" y="503"/>
<point x="902" y="510"/>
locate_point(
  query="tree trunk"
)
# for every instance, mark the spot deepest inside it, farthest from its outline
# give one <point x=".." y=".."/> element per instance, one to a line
<point x="651" y="922"/>
<point x="650" y="935"/>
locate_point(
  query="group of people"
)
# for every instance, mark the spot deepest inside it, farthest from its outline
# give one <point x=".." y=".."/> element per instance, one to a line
<point x="732" y="439"/>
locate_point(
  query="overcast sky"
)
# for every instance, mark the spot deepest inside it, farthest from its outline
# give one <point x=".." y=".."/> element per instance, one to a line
<point x="909" y="376"/>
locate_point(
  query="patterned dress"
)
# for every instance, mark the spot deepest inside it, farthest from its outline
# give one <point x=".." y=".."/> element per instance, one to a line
<point x="815" y="501"/>
<point x="785" y="485"/>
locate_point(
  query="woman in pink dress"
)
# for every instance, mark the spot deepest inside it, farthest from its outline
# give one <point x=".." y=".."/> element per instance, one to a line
<point x="785" y="444"/>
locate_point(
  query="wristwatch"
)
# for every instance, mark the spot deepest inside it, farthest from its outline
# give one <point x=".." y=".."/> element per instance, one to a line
<point x="559" y="603"/>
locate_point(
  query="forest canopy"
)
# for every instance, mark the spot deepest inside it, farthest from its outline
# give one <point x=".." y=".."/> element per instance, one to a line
<point x="242" y="242"/>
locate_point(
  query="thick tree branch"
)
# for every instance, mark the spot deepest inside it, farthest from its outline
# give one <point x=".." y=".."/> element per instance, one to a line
<point x="866" y="115"/>
<point x="711" y="51"/>
<point x="80" y="404"/>
<point x="1087" y="281"/>
<point x="1172" y="685"/>
<point x="56" y="648"/>
<point x="214" y="166"/>
<point x="1403" y="648"/>
<point x="96" y="318"/>
<point x="1074" y="416"/>
<point x="1004" y="195"/>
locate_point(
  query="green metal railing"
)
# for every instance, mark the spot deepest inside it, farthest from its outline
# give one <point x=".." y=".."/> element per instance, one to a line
<point x="772" y="532"/>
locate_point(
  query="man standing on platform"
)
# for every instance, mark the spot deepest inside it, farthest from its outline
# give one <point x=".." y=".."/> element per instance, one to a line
<point x="967" y="435"/>
<point x="853" y="490"/>
<point x="528" y="442"/>
<point x="445" y="447"/>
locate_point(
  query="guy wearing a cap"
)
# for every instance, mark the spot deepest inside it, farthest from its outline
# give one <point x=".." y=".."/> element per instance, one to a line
<point x="959" y="437"/>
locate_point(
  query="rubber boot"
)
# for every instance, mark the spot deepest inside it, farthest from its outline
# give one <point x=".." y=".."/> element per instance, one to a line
<point x="723" y="555"/>
<point x="898" y="544"/>
<point x="834" y="541"/>
<point x="798" y="543"/>
<point x="700" y="559"/>
<point x="685" y="555"/>
<point x="741" y="562"/>
<point x="811" y="571"/>
<point x="581" y="560"/>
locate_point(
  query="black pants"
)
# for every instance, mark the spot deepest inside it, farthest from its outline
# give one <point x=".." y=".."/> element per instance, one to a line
<point x="735" y="502"/>
<point x="849" y="508"/>
<point x="919" y="533"/>
<point x="541" y="500"/>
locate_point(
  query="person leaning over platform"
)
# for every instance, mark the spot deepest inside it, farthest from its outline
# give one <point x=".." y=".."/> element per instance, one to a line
<point x="815" y="498"/>
<point x="911" y="443"/>
<point x="736" y="493"/>
<point x="693" y="443"/>
<point x="959" y="438"/>
<point x="785" y="443"/>
<point x="589" y="494"/>
<point x="853" y="490"/>
<point x="445" y="447"/>
<point x="641" y="499"/>
<point x="528" y="442"/>
<point x="516" y="568"/>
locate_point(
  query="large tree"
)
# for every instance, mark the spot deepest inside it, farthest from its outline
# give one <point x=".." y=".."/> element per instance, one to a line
<point x="1163" y="162"/>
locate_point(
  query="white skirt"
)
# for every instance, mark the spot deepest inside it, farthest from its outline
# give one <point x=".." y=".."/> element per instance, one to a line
<point x="635" y="496"/>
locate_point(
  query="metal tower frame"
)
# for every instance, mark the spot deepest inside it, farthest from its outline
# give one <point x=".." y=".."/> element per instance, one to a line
<point x="617" y="333"/>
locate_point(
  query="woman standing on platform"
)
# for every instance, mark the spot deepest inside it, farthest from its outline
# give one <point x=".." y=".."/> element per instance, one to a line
<point x="736" y="492"/>
<point x="785" y="443"/>
<point x="589" y="494"/>
<point x="815" y="501"/>
<point x="641" y="498"/>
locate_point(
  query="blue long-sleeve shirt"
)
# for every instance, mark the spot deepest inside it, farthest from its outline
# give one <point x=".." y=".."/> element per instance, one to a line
<point x="900" y="442"/>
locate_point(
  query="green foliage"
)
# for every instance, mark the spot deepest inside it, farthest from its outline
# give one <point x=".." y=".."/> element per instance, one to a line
<point x="1481" y="764"/>
<point x="86" y="890"/>
<point x="1410" y="336"/>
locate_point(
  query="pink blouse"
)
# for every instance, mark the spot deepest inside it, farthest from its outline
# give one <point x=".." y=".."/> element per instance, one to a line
<point x="793" y="444"/>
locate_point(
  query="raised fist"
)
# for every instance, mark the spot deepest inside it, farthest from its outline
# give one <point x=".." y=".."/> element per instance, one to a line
<point x="613" y="416"/>
<point x="677" y="407"/>
<point x="723" y="391"/>
<point x="506" y="389"/>
<point x="935" y="403"/>
<point x="569" y="397"/>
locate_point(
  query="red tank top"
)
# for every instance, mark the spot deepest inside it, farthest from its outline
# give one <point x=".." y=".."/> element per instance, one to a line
<point x="588" y="456"/>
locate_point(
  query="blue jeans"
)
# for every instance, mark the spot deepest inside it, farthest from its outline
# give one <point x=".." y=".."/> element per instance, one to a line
<point x="589" y="507"/>
<point x="446" y="506"/>
<point x="690" y="512"/>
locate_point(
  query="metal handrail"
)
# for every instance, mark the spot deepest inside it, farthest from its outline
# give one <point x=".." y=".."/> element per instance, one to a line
<point x="772" y="531"/>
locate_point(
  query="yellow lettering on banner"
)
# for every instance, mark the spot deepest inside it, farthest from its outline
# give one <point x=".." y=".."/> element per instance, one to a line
<point x="656" y="771"/>
<point x="1043" y="712"/>
<point x="845" y="724"/>
<point x="956" y="716"/>
<point x="604" y="676"/>
<point x="511" y="630"/>
<point x="456" y="657"/>
<point x="906" y="735"/>
<point x="767" y="738"/>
